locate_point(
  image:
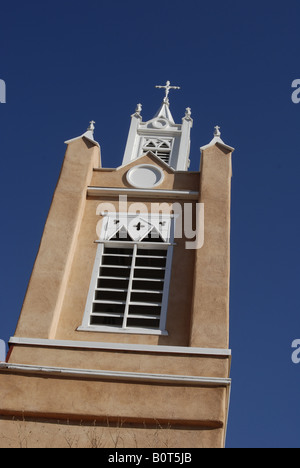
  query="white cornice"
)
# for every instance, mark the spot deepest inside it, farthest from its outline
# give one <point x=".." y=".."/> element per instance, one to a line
<point x="118" y="375"/>
<point x="120" y="347"/>
<point x="217" y="140"/>
<point x="88" y="135"/>
<point x="170" y="132"/>
<point x="146" y="193"/>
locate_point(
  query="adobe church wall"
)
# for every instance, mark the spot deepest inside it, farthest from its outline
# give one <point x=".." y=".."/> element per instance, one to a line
<point x="95" y="400"/>
<point x="181" y="287"/>
<point x="28" y="433"/>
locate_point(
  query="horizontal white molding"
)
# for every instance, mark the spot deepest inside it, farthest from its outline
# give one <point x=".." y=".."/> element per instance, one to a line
<point x="140" y="244"/>
<point x="115" y="169"/>
<point x="157" y="193"/>
<point x="126" y="331"/>
<point x="103" y="374"/>
<point x="133" y="214"/>
<point x="120" y="347"/>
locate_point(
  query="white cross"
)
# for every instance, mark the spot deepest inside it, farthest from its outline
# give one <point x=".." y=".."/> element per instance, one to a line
<point x="92" y="126"/>
<point x="217" y="131"/>
<point x="139" y="226"/>
<point x="167" y="87"/>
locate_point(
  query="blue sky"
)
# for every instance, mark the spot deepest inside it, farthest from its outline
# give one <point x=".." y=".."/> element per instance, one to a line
<point x="67" y="62"/>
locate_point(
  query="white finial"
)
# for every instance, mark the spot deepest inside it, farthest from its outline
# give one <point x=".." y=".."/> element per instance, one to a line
<point x="217" y="132"/>
<point x="138" y="109"/>
<point x="167" y="87"/>
<point x="188" y="112"/>
<point x="92" y="126"/>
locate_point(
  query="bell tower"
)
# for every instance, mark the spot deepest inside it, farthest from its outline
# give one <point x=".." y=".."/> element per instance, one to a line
<point x="123" y="337"/>
<point x="160" y="136"/>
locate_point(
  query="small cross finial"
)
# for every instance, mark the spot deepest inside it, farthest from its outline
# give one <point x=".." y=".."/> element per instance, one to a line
<point x="92" y="126"/>
<point x="217" y="132"/>
<point x="167" y="87"/>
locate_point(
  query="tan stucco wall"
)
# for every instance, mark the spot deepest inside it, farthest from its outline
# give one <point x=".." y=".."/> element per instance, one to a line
<point x="178" y="321"/>
<point x="199" y="294"/>
<point x="210" y="314"/>
<point x="82" y="398"/>
<point x="47" y="286"/>
<point x="20" y="433"/>
<point x="57" y="292"/>
<point x="172" y="180"/>
<point x="198" y="315"/>
<point x="159" y="363"/>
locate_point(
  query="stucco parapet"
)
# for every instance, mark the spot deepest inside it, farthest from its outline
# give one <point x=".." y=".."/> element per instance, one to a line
<point x="44" y="393"/>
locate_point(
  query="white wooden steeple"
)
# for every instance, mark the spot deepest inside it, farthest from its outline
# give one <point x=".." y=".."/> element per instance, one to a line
<point x="168" y="141"/>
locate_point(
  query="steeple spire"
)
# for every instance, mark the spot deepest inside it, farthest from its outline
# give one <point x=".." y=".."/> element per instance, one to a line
<point x="164" y="112"/>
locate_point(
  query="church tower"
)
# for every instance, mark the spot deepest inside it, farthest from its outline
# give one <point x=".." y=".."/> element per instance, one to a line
<point x="123" y="337"/>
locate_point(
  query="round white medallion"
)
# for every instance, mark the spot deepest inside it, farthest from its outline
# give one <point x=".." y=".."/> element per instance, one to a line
<point x="159" y="123"/>
<point x="145" y="176"/>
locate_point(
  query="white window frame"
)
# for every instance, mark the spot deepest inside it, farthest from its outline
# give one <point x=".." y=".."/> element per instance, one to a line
<point x="157" y="149"/>
<point x="103" y="242"/>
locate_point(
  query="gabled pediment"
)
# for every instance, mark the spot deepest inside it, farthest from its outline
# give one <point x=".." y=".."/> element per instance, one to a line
<point x="148" y="158"/>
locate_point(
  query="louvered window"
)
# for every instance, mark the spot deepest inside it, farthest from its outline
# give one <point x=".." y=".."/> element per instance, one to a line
<point x="160" y="147"/>
<point x="130" y="285"/>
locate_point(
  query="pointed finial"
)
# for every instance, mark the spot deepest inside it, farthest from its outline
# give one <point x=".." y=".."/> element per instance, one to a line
<point x="92" y="126"/>
<point x="188" y="112"/>
<point x="138" y="109"/>
<point x="217" y="132"/>
<point x="167" y="87"/>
